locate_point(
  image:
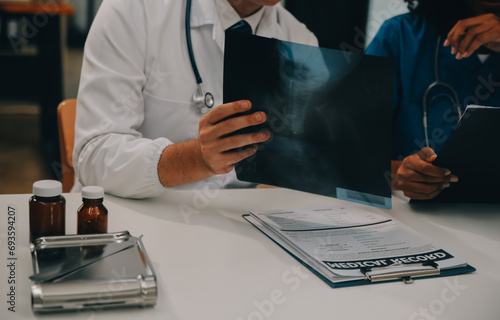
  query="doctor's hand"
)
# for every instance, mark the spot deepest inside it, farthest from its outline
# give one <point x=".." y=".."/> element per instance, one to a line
<point x="418" y="178"/>
<point x="219" y="149"/>
<point x="216" y="150"/>
<point x="470" y="34"/>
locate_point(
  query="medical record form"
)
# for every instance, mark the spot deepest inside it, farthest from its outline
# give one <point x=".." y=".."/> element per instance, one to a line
<point x="353" y="243"/>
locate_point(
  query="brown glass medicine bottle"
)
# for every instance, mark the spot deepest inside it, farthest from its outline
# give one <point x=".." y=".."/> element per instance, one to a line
<point x="47" y="210"/>
<point x="92" y="215"/>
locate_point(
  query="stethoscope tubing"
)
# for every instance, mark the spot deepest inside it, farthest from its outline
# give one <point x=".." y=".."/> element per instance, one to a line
<point x="190" y="43"/>
<point x="438" y="83"/>
<point x="201" y="98"/>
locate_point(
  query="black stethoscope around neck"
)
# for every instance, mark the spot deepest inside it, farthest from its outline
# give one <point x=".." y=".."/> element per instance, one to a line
<point x="201" y="98"/>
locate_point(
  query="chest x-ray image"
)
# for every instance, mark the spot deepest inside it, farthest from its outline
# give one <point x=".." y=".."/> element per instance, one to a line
<point x="328" y="111"/>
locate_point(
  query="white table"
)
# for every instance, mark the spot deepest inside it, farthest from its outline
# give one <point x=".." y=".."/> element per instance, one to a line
<point x="211" y="264"/>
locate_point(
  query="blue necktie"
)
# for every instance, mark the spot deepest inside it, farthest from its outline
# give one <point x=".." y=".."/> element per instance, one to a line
<point x="241" y="26"/>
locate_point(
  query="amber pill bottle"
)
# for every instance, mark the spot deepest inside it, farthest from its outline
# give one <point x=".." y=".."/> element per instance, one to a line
<point x="92" y="215"/>
<point x="47" y="209"/>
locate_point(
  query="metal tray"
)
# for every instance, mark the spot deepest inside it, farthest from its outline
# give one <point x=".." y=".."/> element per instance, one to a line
<point x="91" y="272"/>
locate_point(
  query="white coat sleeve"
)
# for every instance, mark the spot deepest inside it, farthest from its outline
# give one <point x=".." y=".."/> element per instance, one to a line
<point x="109" y="150"/>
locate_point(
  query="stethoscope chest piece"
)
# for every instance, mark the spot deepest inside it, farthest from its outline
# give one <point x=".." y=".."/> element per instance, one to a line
<point x="203" y="100"/>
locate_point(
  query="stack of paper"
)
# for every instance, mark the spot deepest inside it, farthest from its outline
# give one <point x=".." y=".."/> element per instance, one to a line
<point x="356" y="244"/>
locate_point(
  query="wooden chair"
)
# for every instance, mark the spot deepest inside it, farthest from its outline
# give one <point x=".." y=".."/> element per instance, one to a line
<point x="66" y="113"/>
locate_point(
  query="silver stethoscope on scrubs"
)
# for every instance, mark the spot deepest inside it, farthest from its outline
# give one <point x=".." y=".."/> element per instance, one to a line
<point x="452" y="94"/>
<point x="201" y="98"/>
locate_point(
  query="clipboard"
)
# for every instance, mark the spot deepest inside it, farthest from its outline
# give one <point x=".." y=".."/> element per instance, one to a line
<point x="78" y="272"/>
<point x="471" y="153"/>
<point x="368" y="275"/>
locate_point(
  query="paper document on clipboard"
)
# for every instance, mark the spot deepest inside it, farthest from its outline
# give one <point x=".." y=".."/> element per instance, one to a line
<point x="354" y="243"/>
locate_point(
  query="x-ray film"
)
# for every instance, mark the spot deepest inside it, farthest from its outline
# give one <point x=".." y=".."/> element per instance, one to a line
<point x="328" y="111"/>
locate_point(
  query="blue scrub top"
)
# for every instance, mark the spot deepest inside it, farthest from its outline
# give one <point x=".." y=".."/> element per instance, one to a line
<point x="411" y="41"/>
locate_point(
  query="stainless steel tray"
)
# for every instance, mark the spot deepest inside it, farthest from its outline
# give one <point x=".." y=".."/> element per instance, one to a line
<point x="91" y="272"/>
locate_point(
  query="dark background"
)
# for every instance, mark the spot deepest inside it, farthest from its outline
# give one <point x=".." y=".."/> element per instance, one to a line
<point x="333" y="22"/>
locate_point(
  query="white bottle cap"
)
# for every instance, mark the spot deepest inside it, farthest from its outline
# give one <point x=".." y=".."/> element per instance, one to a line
<point x="92" y="192"/>
<point x="47" y="188"/>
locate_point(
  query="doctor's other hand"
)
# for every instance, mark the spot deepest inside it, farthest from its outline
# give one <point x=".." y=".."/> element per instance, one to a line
<point x="219" y="147"/>
<point x="418" y="178"/>
<point x="470" y="34"/>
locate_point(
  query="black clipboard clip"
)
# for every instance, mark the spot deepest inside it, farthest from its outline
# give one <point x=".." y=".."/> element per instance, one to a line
<point x="406" y="276"/>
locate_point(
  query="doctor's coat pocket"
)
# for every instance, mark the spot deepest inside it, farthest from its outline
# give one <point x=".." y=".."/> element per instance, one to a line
<point x="174" y="120"/>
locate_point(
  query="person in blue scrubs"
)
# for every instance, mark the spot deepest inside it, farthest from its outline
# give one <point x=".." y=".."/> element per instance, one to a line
<point x="466" y="34"/>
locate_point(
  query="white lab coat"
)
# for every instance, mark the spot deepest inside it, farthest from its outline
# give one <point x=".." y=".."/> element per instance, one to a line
<point x="137" y="84"/>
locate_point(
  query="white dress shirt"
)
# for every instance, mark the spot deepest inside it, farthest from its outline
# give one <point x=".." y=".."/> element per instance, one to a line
<point x="136" y="88"/>
<point x="228" y="16"/>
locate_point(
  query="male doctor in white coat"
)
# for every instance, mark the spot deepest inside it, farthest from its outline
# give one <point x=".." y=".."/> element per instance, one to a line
<point x="137" y="130"/>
